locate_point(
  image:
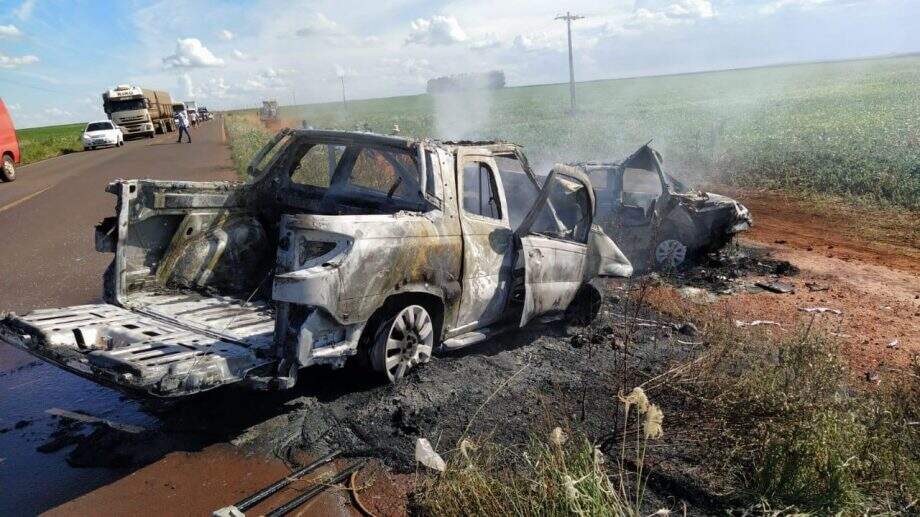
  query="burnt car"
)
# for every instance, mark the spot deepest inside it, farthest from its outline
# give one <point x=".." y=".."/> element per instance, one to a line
<point x="657" y="221"/>
<point x="344" y="244"/>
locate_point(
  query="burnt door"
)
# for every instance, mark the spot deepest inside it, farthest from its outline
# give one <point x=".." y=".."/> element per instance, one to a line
<point x="487" y="241"/>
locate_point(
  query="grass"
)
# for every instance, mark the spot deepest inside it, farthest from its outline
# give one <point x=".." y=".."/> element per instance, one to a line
<point x="41" y="143"/>
<point x="847" y="128"/>
<point x="553" y="476"/>
<point x="246" y="137"/>
<point x="789" y="427"/>
<point x="772" y="423"/>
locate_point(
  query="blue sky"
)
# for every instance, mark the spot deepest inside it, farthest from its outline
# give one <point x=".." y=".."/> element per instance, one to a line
<point x="57" y="56"/>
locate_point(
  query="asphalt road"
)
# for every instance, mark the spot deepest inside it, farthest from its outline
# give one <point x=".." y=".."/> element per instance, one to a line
<point x="47" y="216"/>
<point x="47" y="259"/>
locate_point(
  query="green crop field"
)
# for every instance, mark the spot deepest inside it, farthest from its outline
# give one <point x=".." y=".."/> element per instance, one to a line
<point x="850" y="128"/>
<point x="40" y="143"/>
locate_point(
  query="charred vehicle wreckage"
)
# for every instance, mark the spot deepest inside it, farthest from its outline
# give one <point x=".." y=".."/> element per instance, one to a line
<point x="659" y="222"/>
<point x="344" y="244"/>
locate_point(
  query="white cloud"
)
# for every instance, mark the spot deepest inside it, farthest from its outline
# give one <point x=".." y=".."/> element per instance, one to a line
<point x="319" y="25"/>
<point x="16" y="61"/>
<point x="9" y="31"/>
<point x="240" y="55"/>
<point x="537" y="42"/>
<point x="271" y="73"/>
<point x="56" y="112"/>
<point x="779" y="5"/>
<point x="24" y="11"/>
<point x="437" y="30"/>
<point x="487" y="41"/>
<point x="268" y="79"/>
<point x="691" y="9"/>
<point x="14" y="107"/>
<point x="190" y="53"/>
<point x="216" y="88"/>
<point x="225" y="35"/>
<point x="675" y="13"/>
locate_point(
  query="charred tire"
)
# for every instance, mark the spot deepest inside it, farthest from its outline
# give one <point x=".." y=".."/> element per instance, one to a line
<point x="402" y="341"/>
<point x="671" y="252"/>
<point x="8" y="171"/>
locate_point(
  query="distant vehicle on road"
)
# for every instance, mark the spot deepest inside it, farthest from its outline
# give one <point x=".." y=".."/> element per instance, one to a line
<point x="102" y="134"/>
<point x="204" y="114"/>
<point x="9" y="145"/>
<point x="191" y="108"/>
<point x="269" y="111"/>
<point x="139" y="111"/>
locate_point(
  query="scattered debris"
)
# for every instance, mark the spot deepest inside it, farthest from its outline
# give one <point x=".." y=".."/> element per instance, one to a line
<point x="67" y="434"/>
<point x="894" y="344"/>
<point x="816" y="287"/>
<point x="873" y="377"/>
<point x="696" y="295"/>
<point x="723" y="271"/>
<point x="755" y="323"/>
<point x="89" y="419"/>
<point x="820" y="310"/>
<point x="425" y="455"/>
<point x="236" y="510"/>
<point x="776" y="287"/>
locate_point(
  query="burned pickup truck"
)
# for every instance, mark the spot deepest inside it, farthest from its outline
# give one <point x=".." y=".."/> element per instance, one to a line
<point x="658" y="221"/>
<point x="342" y="245"/>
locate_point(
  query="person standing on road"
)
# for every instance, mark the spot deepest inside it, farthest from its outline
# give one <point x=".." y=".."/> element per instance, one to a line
<point x="182" y="122"/>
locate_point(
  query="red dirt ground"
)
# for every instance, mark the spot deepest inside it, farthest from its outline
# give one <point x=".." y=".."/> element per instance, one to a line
<point x="868" y="259"/>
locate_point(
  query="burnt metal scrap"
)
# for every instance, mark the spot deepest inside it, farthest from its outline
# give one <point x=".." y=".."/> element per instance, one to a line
<point x="343" y="244"/>
<point x="658" y="221"/>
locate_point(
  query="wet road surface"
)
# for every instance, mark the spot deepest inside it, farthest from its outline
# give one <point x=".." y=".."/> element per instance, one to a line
<point x="47" y="259"/>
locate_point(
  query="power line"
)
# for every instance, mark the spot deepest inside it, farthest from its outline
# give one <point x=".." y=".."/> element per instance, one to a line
<point x="569" y="18"/>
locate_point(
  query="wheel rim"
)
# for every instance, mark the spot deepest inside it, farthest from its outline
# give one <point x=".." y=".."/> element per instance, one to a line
<point x="8" y="170"/>
<point x="409" y="341"/>
<point x="670" y="253"/>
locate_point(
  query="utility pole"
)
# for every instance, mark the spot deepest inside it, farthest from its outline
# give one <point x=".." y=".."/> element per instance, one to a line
<point x="344" y="102"/>
<point x="569" y="18"/>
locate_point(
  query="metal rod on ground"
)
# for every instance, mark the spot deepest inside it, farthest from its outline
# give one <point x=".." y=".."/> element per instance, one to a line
<point x="268" y="491"/>
<point x="315" y="490"/>
<point x="569" y="18"/>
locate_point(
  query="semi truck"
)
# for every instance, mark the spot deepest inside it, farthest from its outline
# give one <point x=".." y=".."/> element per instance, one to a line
<point x="139" y="111"/>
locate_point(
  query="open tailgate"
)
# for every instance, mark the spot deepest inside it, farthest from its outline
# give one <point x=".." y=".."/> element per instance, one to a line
<point x="132" y="351"/>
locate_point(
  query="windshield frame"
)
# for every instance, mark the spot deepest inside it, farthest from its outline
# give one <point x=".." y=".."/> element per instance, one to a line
<point x="89" y="129"/>
<point x="277" y="172"/>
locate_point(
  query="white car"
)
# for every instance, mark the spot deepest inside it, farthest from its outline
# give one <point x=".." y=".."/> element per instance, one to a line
<point x="101" y="134"/>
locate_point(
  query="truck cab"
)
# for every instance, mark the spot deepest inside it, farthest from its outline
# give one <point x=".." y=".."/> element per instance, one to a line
<point x="342" y="245"/>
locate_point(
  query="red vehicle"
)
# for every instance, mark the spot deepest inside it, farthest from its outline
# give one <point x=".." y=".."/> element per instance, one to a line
<point x="9" y="145"/>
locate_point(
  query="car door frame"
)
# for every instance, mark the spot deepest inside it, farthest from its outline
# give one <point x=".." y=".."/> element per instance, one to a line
<point x="554" y="268"/>
<point x="487" y="253"/>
